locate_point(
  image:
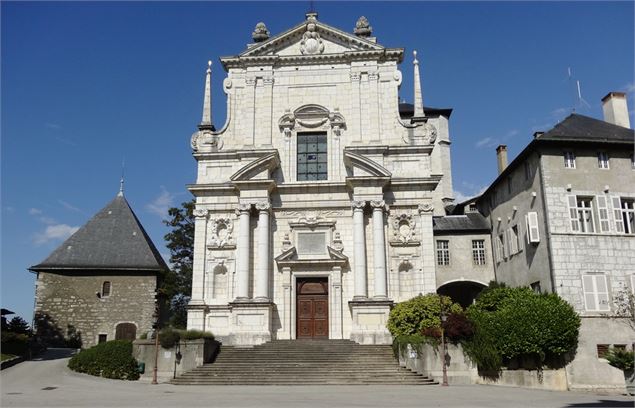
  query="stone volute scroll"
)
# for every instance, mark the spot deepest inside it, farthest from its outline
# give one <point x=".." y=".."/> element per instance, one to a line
<point x="425" y="208"/>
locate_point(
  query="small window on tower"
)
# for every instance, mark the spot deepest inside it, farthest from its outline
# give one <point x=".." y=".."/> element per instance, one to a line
<point x="105" y="289"/>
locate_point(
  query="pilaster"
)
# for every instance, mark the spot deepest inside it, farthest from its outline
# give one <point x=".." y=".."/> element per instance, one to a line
<point x="428" y="260"/>
<point x="359" y="251"/>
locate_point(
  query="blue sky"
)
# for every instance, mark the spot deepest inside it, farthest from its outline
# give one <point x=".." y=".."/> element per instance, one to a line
<point x="86" y="85"/>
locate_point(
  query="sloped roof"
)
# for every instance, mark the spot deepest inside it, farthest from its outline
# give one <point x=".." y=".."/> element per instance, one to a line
<point x="455" y="223"/>
<point x="583" y="128"/>
<point x="113" y="239"/>
<point x="407" y="110"/>
<point x="573" y="129"/>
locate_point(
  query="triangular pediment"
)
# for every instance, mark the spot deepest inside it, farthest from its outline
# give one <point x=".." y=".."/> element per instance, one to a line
<point x="330" y="40"/>
<point x="290" y="257"/>
<point x="363" y="166"/>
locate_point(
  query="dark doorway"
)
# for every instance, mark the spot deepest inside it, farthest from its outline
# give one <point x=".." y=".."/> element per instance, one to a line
<point x="126" y="331"/>
<point x="312" y="319"/>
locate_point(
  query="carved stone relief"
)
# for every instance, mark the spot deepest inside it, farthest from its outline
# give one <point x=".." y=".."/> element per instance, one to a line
<point x="221" y="233"/>
<point x="404" y="230"/>
<point x="311" y="42"/>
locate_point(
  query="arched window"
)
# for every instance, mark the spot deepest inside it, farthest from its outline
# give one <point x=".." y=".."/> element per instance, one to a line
<point x="105" y="289"/>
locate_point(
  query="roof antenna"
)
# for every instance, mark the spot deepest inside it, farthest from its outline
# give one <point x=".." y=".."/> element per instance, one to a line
<point x="580" y="98"/>
<point x="311" y="8"/>
<point x="123" y="167"/>
<point x="570" y="79"/>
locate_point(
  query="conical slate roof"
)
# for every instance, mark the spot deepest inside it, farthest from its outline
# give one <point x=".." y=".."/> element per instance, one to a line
<point x="113" y="239"/>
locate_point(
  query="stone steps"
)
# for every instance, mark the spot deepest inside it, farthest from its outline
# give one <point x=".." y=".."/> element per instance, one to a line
<point x="300" y="362"/>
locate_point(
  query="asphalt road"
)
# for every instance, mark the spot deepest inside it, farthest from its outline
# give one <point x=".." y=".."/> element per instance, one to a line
<point x="49" y="383"/>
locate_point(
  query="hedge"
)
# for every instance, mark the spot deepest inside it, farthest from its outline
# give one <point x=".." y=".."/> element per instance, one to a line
<point x="111" y="359"/>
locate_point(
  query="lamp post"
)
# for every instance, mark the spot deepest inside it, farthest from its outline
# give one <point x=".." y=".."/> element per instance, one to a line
<point x="155" y="326"/>
<point x="444" y="317"/>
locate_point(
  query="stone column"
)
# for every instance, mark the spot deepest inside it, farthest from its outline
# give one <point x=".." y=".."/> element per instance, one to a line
<point x="243" y="251"/>
<point x="198" y="267"/>
<point x="359" y="250"/>
<point x="428" y="258"/>
<point x="379" y="249"/>
<point x="336" y="331"/>
<point x="261" y="289"/>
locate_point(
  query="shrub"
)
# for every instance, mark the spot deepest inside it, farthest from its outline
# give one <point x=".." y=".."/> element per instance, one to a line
<point x="620" y="358"/>
<point x="419" y="313"/>
<point x="15" y="343"/>
<point x="517" y="322"/>
<point x="111" y="359"/>
<point x="195" y="334"/>
<point x="168" y="337"/>
<point x="457" y="327"/>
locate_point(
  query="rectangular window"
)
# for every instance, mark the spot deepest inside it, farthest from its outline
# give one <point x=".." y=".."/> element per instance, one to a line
<point x="513" y="240"/>
<point x="527" y="171"/>
<point x="499" y="249"/>
<point x="105" y="289"/>
<point x="596" y="294"/>
<point x="443" y="252"/>
<point x="628" y="215"/>
<point x="603" y="160"/>
<point x="102" y="338"/>
<point x="535" y="287"/>
<point x="633" y="161"/>
<point x="312" y="156"/>
<point x="602" y="349"/>
<point x="581" y="214"/>
<point x="478" y="252"/>
<point x="569" y="160"/>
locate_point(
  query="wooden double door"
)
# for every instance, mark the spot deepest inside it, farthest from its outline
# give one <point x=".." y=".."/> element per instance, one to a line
<point x="312" y="308"/>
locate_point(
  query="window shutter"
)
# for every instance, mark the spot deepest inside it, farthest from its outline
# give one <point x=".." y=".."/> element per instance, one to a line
<point x="505" y="245"/>
<point x="496" y="250"/>
<point x="513" y="241"/>
<point x="588" y="288"/>
<point x="573" y="213"/>
<point x="617" y="213"/>
<point x="602" y="293"/>
<point x="603" y="211"/>
<point x="519" y="238"/>
<point x="532" y="227"/>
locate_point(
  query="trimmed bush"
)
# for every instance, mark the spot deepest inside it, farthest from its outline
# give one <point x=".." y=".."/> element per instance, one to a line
<point x="516" y="322"/>
<point x="195" y="334"/>
<point x="419" y="313"/>
<point x="111" y="359"/>
<point x="15" y="343"/>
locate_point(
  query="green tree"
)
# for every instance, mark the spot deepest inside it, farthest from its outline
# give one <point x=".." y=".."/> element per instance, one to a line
<point x="18" y="325"/>
<point x="176" y="285"/>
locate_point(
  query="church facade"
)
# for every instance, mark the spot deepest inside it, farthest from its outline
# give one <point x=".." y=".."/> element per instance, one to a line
<point x="315" y="200"/>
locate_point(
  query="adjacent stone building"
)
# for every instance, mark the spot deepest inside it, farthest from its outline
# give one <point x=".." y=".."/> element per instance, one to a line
<point x="315" y="200"/>
<point x="562" y="220"/>
<point x="100" y="284"/>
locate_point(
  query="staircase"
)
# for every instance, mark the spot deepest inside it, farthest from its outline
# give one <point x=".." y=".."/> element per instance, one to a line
<point x="303" y="362"/>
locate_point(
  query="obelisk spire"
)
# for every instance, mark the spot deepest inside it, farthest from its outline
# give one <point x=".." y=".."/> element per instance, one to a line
<point x="206" y="121"/>
<point x="418" y="102"/>
<point x="123" y="167"/>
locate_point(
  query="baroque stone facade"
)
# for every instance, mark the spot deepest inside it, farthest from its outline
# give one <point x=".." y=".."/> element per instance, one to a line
<point x="315" y="199"/>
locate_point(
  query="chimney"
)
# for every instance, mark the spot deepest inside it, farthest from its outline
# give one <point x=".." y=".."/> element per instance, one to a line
<point x="501" y="156"/>
<point x="615" y="109"/>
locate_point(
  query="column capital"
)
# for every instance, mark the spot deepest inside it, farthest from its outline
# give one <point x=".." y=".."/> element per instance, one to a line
<point x="358" y="205"/>
<point x="200" y="213"/>
<point x="425" y="208"/>
<point x="378" y="204"/>
<point x="243" y="208"/>
<point x="263" y="206"/>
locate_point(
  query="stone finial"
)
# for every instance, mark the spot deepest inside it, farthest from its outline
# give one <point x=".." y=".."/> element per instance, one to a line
<point x="206" y="120"/>
<point x="363" y="28"/>
<point x="418" y="102"/>
<point x="260" y="33"/>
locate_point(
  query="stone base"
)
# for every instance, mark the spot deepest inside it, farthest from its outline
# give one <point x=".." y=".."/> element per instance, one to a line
<point x="369" y="321"/>
<point x="250" y="323"/>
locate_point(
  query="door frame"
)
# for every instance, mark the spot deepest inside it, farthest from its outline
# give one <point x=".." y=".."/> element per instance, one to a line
<point x="328" y="301"/>
<point x="294" y="299"/>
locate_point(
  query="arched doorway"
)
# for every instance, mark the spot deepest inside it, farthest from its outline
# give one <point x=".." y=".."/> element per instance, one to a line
<point x="312" y="308"/>
<point x="461" y="292"/>
<point x="126" y="331"/>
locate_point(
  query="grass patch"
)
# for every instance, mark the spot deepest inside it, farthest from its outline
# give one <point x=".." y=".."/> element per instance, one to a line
<point x="6" y="357"/>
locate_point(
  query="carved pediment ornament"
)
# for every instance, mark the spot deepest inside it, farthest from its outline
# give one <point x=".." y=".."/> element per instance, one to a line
<point x="221" y="233"/>
<point x="200" y="212"/>
<point x="311" y="42"/>
<point x="425" y="208"/>
<point x="424" y="133"/>
<point x="311" y="116"/>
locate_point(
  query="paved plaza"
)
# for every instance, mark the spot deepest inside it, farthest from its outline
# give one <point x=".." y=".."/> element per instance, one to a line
<point x="49" y="383"/>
